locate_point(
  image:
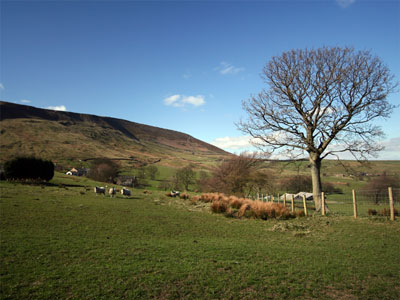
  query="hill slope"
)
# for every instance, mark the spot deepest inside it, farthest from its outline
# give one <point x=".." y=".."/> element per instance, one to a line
<point x="67" y="137"/>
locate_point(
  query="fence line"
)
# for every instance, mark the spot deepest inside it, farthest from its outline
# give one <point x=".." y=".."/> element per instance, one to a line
<point x="358" y="202"/>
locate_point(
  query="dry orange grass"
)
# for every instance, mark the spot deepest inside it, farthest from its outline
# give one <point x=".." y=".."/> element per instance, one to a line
<point x="194" y="199"/>
<point x="219" y="206"/>
<point x="220" y="203"/>
<point x="265" y="210"/>
<point x="235" y="202"/>
<point x="243" y="209"/>
<point x="184" y="196"/>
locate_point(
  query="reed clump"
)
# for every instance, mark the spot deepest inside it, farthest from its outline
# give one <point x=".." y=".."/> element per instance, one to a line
<point x="233" y="206"/>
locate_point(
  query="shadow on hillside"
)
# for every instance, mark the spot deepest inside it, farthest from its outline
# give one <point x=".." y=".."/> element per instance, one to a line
<point x="44" y="184"/>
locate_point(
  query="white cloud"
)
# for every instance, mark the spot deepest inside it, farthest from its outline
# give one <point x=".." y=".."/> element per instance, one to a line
<point x="172" y="100"/>
<point x="25" y="101"/>
<point x="225" y="68"/>
<point x="194" y="100"/>
<point x="233" y="143"/>
<point x="1" y="86"/>
<point x="345" y="3"/>
<point x="59" y="108"/>
<point x="392" y="149"/>
<point x="187" y="75"/>
<point x="182" y="100"/>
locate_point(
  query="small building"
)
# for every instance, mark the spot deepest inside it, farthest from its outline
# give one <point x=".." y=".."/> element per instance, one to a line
<point x="77" y="172"/>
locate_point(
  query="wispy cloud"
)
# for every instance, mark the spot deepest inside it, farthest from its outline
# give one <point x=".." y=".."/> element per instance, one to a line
<point x="233" y="143"/>
<point x="25" y="101"/>
<point x="1" y="86"/>
<point x="59" y="108"/>
<point x="345" y="3"/>
<point x="182" y="100"/>
<point x="392" y="149"/>
<point x="225" y="68"/>
<point x="187" y="75"/>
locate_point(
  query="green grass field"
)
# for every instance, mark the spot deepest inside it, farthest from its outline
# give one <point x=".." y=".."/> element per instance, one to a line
<point x="61" y="241"/>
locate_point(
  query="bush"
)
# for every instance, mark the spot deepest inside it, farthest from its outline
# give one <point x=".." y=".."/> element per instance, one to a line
<point x="329" y="188"/>
<point x="237" y="175"/>
<point x="29" y="168"/>
<point x="296" y="184"/>
<point x="377" y="188"/>
<point x="103" y="169"/>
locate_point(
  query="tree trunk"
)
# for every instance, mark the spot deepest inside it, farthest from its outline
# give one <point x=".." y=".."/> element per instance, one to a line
<point x="315" y="161"/>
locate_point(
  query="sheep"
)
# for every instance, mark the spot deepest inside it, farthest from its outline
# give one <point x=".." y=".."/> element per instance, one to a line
<point x="99" y="190"/>
<point x="112" y="192"/>
<point x="125" y="192"/>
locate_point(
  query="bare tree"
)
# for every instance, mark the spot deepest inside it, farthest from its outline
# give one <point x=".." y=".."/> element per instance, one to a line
<point x="320" y="102"/>
<point x="238" y="175"/>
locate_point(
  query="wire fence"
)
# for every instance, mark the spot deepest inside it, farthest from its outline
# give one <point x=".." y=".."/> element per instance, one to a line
<point x="368" y="202"/>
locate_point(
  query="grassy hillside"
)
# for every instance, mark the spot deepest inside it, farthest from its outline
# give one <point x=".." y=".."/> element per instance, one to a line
<point x="60" y="241"/>
<point x="71" y="138"/>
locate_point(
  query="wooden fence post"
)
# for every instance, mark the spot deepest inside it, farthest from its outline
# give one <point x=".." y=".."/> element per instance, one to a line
<point x="391" y="203"/>
<point x="323" y="203"/>
<point x="292" y="198"/>
<point x="354" y="204"/>
<point x="284" y="200"/>
<point x="272" y="198"/>
<point x="305" y="205"/>
<point x="279" y="199"/>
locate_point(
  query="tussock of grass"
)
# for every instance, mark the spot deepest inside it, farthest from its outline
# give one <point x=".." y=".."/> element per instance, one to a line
<point x="241" y="207"/>
<point x="184" y="196"/>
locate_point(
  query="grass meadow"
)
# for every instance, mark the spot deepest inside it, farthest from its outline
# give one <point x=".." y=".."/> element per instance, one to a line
<point x="61" y="241"/>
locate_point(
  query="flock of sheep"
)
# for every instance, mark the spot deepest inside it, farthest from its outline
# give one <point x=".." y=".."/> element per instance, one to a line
<point x="112" y="191"/>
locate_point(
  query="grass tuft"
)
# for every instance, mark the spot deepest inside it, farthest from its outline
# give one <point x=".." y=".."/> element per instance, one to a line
<point x="242" y="207"/>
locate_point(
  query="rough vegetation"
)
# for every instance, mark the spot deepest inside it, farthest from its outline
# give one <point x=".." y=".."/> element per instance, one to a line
<point x="233" y="206"/>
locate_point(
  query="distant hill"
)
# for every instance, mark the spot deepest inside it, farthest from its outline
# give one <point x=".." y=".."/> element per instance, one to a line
<point x="67" y="137"/>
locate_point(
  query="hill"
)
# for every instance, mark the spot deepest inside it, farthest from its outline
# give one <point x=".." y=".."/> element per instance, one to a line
<point x="67" y="137"/>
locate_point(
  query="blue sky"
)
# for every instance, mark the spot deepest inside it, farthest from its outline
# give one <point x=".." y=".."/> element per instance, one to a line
<point x="181" y="65"/>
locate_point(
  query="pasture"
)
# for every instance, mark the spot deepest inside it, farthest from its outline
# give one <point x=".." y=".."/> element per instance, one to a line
<point x="61" y="241"/>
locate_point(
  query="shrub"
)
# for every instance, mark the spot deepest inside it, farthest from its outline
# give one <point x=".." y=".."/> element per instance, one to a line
<point x="296" y="184"/>
<point x="329" y="188"/>
<point x="29" y="168"/>
<point x="377" y="188"/>
<point x="237" y="175"/>
<point x="103" y="169"/>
